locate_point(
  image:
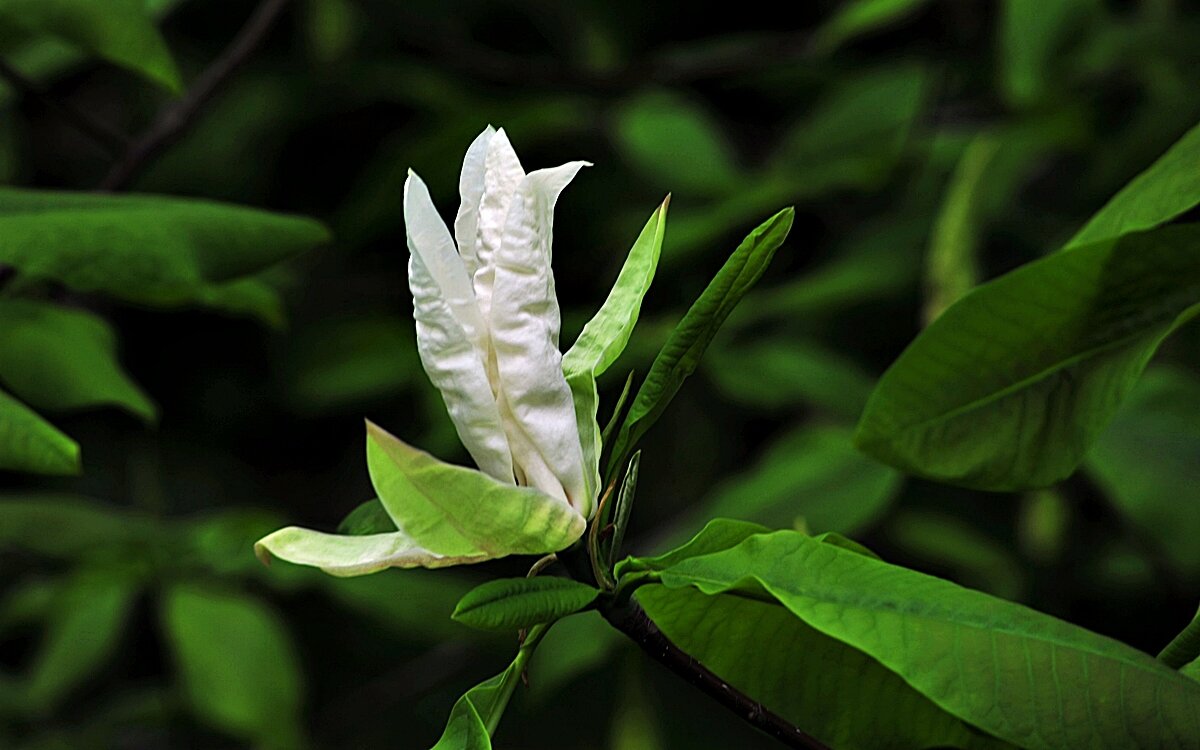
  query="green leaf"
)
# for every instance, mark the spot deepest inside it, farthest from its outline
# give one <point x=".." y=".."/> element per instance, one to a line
<point x="606" y="335"/>
<point x="718" y="534"/>
<point x="622" y="511"/>
<point x="436" y="510"/>
<point x="781" y="371"/>
<point x="30" y="443"/>
<point x="675" y="144"/>
<point x="516" y="603"/>
<point x="238" y="667"/>
<point x="66" y="526"/>
<point x="1148" y="463"/>
<point x="811" y="476"/>
<point x="368" y="518"/>
<point x="858" y="18"/>
<point x="86" y="619"/>
<point x="1033" y="34"/>
<point x="121" y="31"/>
<point x="1012" y="384"/>
<point x="681" y="354"/>
<point x="834" y="692"/>
<point x="1020" y="675"/>
<point x="145" y="249"/>
<point x="1183" y="648"/>
<point x="951" y="546"/>
<point x="475" y="715"/>
<point x="61" y="359"/>
<point x="1166" y="189"/>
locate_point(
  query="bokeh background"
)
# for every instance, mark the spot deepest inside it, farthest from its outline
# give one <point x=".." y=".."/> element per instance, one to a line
<point x="926" y="144"/>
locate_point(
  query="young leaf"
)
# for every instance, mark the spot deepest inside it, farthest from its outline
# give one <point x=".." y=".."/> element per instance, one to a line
<point x="1012" y="384"/>
<point x="238" y="667"/>
<point x="145" y="249"/>
<point x="30" y="443"/>
<point x="121" y="31"/>
<point x="61" y="359"/>
<point x="86" y="620"/>
<point x="719" y="534"/>
<point x="982" y="659"/>
<point x="682" y="352"/>
<point x="623" y="509"/>
<point x="515" y="603"/>
<point x="475" y="716"/>
<point x="606" y="334"/>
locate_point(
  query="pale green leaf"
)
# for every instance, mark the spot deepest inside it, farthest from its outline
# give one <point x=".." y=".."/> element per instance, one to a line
<point x="515" y="603"/>
<point x="1012" y="384"/>
<point x="61" y="359"/>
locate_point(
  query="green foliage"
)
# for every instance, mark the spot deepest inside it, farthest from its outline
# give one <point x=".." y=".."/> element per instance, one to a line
<point x="977" y="657"/>
<point x="514" y="603"/>
<point x="681" y="354"/>
<point x="30" y="443"/>
<point x="1011" y="385"/>
<point x="121" y="31"/>
<point x="859" y="18"/>
<point x="238" y="666"/>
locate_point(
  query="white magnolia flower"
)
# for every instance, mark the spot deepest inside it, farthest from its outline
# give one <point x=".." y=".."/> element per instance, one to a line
<point x="487" y="318"/>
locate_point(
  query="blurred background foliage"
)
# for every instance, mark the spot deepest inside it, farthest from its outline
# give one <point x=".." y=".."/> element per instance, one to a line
<point x="927" y="144"/>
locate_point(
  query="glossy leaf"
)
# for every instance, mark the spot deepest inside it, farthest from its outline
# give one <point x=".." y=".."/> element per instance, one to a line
<point x="237" y="664"/>
<point x="145" y="249"/>
<point x="61" y="359"/>
<point x="1012" y="384"/>
<point x="30" y="443"/>
<point x="982" y="659"/>
<point x="121" y="31"/>
<point x="515" y="603"/>
<point x="681" y="354"/>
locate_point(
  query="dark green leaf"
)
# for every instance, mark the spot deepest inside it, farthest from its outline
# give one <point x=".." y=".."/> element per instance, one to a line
<point x="1012" y="384"/>
<point x="121" y="31"/>
<point x="237" y="664"/>
<point x="515" y="603"/>
<point x="1183" y="648"/>
<point x="1020" y="675"/>
<point x="30" y="443"/>
<point x="368" y="518"/>
<point x="683" y="350"/>
<point x="61" y="359"/>
<point x="145" y="249"/>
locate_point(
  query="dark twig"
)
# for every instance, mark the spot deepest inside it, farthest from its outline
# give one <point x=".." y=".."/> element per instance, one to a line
<point x="632" y="620"/>
<point x="177" y="117"/>
<point x="110" y="140"/>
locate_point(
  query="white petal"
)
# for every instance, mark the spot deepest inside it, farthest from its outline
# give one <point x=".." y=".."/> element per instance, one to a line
<point x="502" y="176"/>
<point x="540" y="414"/>
<point x="451" y="336"/>
<point x="470" y="190"/>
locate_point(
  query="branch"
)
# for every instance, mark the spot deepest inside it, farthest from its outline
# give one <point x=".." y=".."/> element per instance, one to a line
<point x="632" y="620"/>
<point x="109" y="140"/>
<point x="176" y="118"/>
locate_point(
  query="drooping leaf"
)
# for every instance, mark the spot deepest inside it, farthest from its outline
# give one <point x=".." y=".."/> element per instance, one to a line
<point x="979" y="658"/>
<point x="145" y="249"/>
<point x="676" y="144"/>
<point x="1166" y="189"/>
<point x="121" y="31"/>
<point x="605" y="336"/>
<point x="681" y="354"/>
<point x="61" y="359"/>
<point x="515" y="603"/>
<point x="1012" y="384"/>
<point x="1148" y="462"/>
<point x="30" y="443"/>
<point x="814" y="476"/>
<point x="237" y="664"/>
<point x="86" y="618"/>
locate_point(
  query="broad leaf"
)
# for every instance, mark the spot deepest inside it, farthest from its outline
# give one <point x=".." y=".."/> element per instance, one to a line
<point x="121" y="31"/>
<point x="67" y="526"/>
<point x="30" y="443"/>
<point x="675" y="144"/>
<point x="145" y="249"/>
<point x="719" y="534"/>
<point x="515" y="603"/>
<point x="1012" y="384"/>
<point x="1148" y="461"/>
<point x="61" y="359"/>
<point x="86" y="619"/>
<point x="982" y="659"/>
<point x="681" y="354"/>
<point x="1166" y="189"/>
<point x="606" y="334"/>
<point x="239" y="670"/>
